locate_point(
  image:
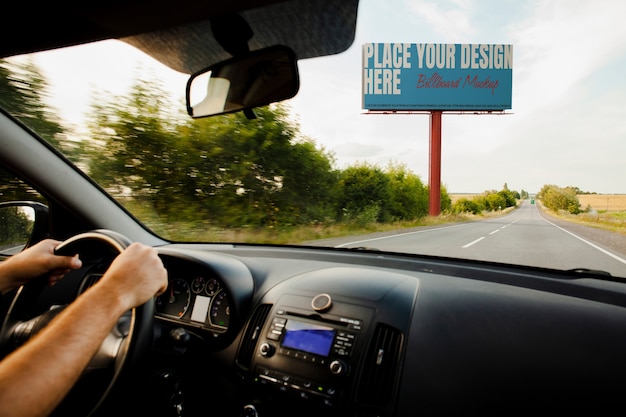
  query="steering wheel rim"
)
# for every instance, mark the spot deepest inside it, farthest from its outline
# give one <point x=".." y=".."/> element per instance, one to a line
<point x="126" y="343"/>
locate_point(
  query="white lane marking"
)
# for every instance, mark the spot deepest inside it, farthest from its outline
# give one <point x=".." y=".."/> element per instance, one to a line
<point x="491" y="233"/>
<point x="476" y="241"/>
<point x="420" y="231"/>
<point x="593" y="245"/>
<point x="401" y="234"/>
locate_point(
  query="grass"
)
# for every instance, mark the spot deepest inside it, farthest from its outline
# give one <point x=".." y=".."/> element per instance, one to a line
<point x="291" y="234"/>
<point x="605" y="211"/>
<point x="612" y="221"/>
<point x="205" y="232"/>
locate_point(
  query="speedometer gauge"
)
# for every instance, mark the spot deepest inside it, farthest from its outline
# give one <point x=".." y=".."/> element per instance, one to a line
<point x="220" y="310"/>
<point x="175" y="300"/>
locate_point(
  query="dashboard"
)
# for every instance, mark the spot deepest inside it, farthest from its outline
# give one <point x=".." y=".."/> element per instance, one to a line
<point x="340" y="332"/>
<point x="253" y="330"/>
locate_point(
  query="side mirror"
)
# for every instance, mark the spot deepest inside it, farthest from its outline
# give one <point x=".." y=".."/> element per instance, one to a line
<point x="256" y="79"/>
<point x="22" y="223"/>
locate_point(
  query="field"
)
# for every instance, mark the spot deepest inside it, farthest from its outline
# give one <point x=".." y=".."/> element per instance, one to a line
<point x="599" y="202"/>
<point x="455" y="197"/>
<point x="603" y="202"/>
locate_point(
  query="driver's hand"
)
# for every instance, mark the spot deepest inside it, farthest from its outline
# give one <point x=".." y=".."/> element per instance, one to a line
<point x="136" y="275"/>
<point x="35" y="261"/>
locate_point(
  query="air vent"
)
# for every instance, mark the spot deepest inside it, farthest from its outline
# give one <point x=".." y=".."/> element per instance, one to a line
<point x="251" y="335"/>
<point x="380" y="368"/>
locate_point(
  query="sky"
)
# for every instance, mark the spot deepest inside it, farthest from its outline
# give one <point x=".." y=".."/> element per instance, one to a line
<point x="567" y="124"/>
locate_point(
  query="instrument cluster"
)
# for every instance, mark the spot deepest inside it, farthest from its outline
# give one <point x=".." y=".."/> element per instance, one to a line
<point x="197" y="299"/>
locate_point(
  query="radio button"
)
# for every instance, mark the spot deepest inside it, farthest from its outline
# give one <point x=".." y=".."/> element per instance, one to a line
<point x="338" y="367"/>
<point x="267" y="350"/>
<point x="279" y="322"/>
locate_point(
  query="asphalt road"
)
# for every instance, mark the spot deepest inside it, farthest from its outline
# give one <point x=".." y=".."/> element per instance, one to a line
<point x="525" y="236"/>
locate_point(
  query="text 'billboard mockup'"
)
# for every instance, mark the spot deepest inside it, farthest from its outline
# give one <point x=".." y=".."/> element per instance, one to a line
<point x="429" y="76"/>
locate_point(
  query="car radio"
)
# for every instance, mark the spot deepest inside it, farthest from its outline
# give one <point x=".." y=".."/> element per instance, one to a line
<point x="310" y="356"/>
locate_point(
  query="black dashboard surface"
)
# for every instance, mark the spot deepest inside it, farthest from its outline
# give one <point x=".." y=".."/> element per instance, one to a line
<point x="366" y="333"/>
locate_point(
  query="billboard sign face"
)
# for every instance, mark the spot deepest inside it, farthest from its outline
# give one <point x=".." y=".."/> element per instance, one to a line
<point x="430" y="76"/>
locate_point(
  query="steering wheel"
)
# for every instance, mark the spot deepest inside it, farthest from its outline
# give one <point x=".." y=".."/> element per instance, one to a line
<point x="36" y="303"/>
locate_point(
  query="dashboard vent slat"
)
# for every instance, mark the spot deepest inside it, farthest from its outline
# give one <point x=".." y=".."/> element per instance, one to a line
<point x="251" y="335"/>
<point x="381" y="363"/>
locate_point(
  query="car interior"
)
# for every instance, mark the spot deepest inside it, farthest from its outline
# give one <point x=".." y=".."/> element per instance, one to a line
<point x="291" y="330"/>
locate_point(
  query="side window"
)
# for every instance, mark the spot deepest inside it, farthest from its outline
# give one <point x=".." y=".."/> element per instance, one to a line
<point x="12" y="188"/>
<point x="16" y="221"/>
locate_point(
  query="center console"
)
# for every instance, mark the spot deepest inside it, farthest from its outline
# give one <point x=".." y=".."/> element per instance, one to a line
<point x="310" y="347"/>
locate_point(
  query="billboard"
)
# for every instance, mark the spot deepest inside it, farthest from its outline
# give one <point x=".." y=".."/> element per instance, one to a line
<point x="430" y="76"/>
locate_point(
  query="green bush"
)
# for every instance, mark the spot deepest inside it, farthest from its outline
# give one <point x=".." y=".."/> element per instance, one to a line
<point x="465" y="205"/>
<point x="557" y="198"/>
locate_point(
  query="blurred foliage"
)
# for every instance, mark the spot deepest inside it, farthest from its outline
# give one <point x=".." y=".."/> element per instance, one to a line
<point x="220" y="174"/>
<point x="13" y="188"/>
<point x="23" y="90"/>
<point x="16" y="226"/>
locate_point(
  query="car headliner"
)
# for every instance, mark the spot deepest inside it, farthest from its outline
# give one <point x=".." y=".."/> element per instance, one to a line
<point x="179" y="34"/>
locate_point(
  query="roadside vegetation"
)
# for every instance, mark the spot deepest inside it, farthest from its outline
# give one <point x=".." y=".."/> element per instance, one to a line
<point x="227" y="174"/>
<point x="230" y="178"/>
<point x="606" y="211"/>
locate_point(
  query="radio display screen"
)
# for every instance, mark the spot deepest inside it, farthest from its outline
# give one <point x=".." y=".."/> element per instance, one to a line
<point x="308" y="337"/>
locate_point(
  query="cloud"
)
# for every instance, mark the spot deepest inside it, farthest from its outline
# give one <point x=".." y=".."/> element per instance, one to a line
<point x="450" y="20"/>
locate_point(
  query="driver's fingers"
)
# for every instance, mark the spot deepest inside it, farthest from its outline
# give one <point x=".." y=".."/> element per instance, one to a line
<point x="66" y="265"/>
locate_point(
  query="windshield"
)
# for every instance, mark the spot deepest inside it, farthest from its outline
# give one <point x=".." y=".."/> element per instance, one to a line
<point x="540" y="182"/>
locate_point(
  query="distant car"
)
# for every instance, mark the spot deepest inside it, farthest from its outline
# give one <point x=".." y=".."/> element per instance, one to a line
<point x="390" y="323"/>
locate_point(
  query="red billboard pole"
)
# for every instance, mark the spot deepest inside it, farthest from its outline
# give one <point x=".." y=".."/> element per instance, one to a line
<point x="434" y="181"/>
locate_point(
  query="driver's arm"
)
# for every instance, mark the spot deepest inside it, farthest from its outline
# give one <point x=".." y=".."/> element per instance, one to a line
<point x="36" y="377"/>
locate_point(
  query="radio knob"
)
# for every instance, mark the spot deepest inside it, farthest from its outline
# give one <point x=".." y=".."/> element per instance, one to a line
<point x="338" y="367"/>
<point x="267" y="350"/>
<point x="321" y="302"/>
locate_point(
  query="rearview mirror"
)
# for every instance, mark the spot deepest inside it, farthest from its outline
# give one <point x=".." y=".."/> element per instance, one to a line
<point x="257" y="79"/>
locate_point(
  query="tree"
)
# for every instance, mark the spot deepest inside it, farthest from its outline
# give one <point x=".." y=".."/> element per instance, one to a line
<point x="16" y="226"/>
<point x="310" y="184"/>
<point x="495" y="201"/>
<point x="364" y="194"/>
<point x="239" y="172"/>
<point x="509" y="197"/>
<point x="409" y="196"/>
<point x="557" y="198"/>
<point x="22" y="92"/>
<point x="262" y="171"/>
<point x="465" y="205"/>
<point x="22" y="89"/>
